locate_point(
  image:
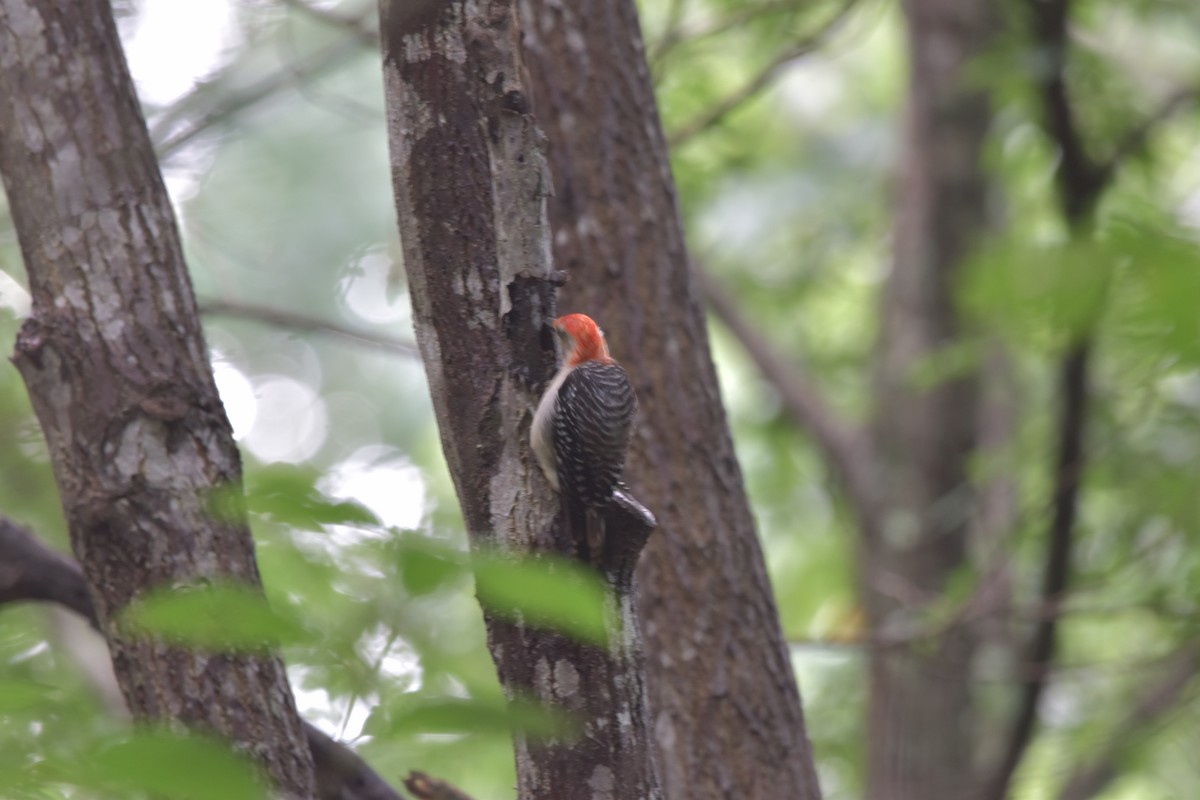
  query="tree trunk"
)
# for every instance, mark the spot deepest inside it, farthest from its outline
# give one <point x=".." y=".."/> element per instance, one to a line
<point x="470" y="183"/>
<point x="118" y="373"/>
<point x="921" y="721"/>
<point x="728" y="718"/>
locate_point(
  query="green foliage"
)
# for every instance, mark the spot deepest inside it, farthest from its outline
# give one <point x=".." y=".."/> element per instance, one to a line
<point x="545" y="592"/>
<point x="164" y="764"/>
<point x="287" y="494"/>
<point x="224" y="616"/>
<point x="425" y="564"/>
<point x="20" y="696"/>
<point x="1047" y="296"/>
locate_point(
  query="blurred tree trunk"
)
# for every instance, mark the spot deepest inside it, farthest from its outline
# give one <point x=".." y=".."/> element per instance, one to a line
<point x="118" y="373"/>
<point x="470" y="183"/>
<point x="921" y="720"/>
<point x="728" y="718"/>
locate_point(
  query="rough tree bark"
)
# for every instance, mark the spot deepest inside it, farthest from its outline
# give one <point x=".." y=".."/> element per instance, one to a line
<point x="118" y="373"/>
<point x="728" y="718"/>
<point x="920" y="717"/>
<point x="470" y="183"/>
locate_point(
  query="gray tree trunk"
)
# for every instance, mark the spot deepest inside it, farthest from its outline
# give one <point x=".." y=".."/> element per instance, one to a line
<point x="727" y="712"/>
<point x="118" y="373"/>
<point x="470" y="182"/>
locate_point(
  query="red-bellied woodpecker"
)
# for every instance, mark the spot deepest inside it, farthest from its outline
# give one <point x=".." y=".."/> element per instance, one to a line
<point x="584" y="422"/>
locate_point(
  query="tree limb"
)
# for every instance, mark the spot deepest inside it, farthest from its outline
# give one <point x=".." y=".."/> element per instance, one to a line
<point x="1081" y="182"/>
<point x="847" y="449"/>
<point x="1056" y="575"/>
<point x="31" y="571"/>
<point x="283" y="318"/>
<point x="1079" y="178"/>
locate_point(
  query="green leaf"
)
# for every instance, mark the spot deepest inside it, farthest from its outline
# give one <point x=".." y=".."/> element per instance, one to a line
<point x="287" y="494"/>
<point x="545" y="592"/>
<point x="1156" y="309"/>
<point x="225" y="616"/>
<point x="18" y="695"/>
<point x="427" y="564"/>
<point x="1038" y="293"/>
<point x="168" y="765"/>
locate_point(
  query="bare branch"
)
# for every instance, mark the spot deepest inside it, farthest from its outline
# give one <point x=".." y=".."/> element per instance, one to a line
<point x="846" y="448"/>
<point x="761" y="80"/>
<point x="31" y="571"/>
<point x="294" y="320"/>
<point x="1158" y="700"/>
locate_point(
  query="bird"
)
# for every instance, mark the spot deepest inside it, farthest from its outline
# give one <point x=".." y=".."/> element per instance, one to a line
<point x="583" y="425"/>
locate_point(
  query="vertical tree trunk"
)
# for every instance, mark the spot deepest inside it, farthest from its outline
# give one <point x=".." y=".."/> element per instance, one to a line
<point x="921" y="720"/>
<point x="728" y="718"/>
<point x="118" y="373"/>
<point x="470" y="183"/>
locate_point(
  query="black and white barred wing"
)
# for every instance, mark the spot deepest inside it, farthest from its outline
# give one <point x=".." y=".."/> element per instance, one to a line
<point x="592" y="429"/>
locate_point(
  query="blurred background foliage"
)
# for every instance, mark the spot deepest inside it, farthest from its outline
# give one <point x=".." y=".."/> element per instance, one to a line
<point x="784" y="119"/>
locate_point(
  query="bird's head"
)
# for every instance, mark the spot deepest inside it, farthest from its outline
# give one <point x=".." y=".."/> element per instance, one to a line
<point x="582" y="340"/>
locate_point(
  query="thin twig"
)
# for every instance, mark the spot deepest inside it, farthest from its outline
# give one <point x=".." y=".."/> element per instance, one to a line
<point x="846" y="447"/>
<point x="761" y="80"/>
<point x="1158" y="700"/>
<point x="294" y="320"/>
